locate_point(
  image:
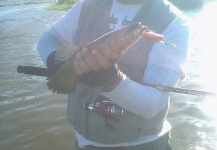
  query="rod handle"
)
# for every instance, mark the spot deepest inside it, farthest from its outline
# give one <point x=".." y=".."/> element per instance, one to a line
<point x="38" y="71"/>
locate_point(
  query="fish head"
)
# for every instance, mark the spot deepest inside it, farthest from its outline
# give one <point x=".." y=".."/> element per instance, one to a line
<point x="127" y="36"/>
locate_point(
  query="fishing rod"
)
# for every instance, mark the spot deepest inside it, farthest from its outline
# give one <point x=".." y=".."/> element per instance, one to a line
<point x="38" y="71"/>
<point x="180" y="90"/>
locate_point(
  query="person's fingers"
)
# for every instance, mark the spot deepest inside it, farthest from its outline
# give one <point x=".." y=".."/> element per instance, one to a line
<point x="103" y="61"/>
<point x="88" y="57"/>
<point x="87" y="60"/>
<point x="82" y="63"/>
<point x="77" y="68"/>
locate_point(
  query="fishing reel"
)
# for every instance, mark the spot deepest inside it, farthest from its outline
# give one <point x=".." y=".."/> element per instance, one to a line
<point x="107" y="109"/>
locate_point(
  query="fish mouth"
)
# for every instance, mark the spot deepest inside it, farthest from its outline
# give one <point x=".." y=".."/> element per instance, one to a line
<point x="137" y="28"/>
<point x="141" y="28"/>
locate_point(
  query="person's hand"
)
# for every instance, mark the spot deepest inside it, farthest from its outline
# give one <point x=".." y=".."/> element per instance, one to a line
<point x="87" y="60"/>
<point x="95" y="69"/>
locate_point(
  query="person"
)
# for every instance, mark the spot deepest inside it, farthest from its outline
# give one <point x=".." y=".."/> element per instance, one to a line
<point x="142" y="110"/>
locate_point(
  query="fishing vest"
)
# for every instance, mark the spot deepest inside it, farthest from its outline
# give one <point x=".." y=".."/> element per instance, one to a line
<point x="94" y="22"/>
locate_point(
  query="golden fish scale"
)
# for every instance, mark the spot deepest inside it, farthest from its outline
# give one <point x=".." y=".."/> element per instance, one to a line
<point x="65" y="52"/>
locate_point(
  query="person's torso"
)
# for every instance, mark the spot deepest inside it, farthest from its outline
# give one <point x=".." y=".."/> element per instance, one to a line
<point x="96" y="21"/>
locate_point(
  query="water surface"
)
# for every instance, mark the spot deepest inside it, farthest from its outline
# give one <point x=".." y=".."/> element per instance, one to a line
<point x="31" y="117"/>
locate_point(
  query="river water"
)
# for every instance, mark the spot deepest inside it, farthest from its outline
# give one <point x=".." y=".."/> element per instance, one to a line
<point x="31" y="117"/>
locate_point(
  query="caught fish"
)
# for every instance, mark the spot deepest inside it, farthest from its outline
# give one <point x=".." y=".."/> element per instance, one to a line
<point x="112" y="45"/>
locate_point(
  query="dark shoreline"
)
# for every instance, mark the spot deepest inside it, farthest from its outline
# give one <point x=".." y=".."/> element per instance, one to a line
<point x="181" y="4"/>
<point x="27" y="2"/>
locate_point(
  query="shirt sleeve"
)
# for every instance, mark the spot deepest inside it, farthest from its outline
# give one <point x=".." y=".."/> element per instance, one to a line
<point x="63" y="31"/>
<point x="163" y="68"/>
<point x="47" y="43"/>
<point x="172" y="57"/>
<point x="67" y="26"/>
